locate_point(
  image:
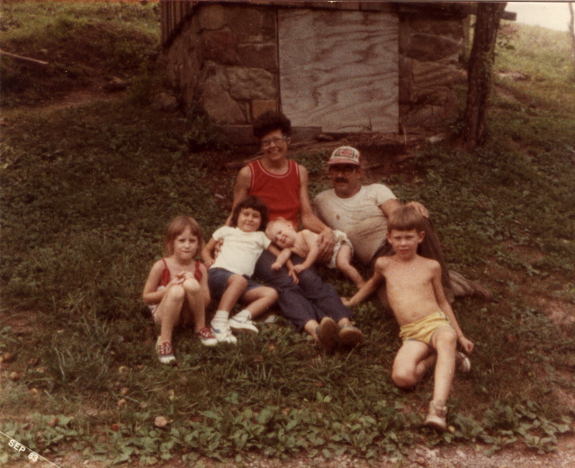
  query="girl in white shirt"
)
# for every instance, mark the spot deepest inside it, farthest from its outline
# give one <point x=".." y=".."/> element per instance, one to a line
<point x="229" y="274"/>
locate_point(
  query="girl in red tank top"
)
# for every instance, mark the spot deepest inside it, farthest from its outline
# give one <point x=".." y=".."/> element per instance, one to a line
<point x="177" y="286"/>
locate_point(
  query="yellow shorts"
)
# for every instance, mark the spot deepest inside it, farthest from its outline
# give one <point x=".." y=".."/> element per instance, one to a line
<point x="423" y="329"/>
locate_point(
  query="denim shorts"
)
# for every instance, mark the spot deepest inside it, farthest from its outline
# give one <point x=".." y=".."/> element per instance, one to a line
<point x="218" y="282"/>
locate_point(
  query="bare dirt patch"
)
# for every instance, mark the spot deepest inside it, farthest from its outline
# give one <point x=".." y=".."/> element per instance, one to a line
<point x="416" y="457"/>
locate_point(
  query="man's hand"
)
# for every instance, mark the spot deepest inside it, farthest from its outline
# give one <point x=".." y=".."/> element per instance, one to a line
<point x="419" y="207"/>
<point x="346" y="301"/>
<point x="276" y="266"/>
<point x="326" y="243"/>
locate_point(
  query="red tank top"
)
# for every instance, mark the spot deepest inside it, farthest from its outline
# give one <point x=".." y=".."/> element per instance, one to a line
<point x="166" y="276"/>
<point x="279" y="192"/>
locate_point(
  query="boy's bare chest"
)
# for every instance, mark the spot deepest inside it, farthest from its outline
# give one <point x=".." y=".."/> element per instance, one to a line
<point x="407" y="276"/>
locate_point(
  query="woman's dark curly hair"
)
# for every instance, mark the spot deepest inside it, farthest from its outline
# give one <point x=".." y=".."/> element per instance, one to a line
<point x="270" y="121"/>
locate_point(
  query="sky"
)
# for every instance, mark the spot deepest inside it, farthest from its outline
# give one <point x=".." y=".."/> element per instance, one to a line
<point x="552" y="15"/>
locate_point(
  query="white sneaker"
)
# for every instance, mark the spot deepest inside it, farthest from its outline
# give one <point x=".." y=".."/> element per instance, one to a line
<point x="462" y="363"/>
<point x="242" y="325"/>
<point x="165" y="352"/>
<point x="223" y="334"/>
<point x="435" y="418"/>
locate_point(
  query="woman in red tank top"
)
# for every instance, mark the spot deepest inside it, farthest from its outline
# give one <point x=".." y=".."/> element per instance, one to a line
<point x="283" y="185"/>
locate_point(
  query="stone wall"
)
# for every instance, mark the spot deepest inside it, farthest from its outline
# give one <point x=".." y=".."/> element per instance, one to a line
<point x="226" y="60"/>
<point x="429" y="49"/>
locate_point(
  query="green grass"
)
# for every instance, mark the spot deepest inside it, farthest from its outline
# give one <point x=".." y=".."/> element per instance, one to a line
<point x="86" y="193"/>
<point x="84" y="43"/>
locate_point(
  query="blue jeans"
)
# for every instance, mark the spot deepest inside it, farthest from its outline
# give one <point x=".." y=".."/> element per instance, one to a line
<point x="218" y="282"/>
<point x="311" y="299"/>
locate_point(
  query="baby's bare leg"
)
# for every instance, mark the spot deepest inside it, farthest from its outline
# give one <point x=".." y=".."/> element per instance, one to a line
<point x="444" y="340"/>
<point x="412" y="361"/>
<point x="343" y="264"/>
<point x="169" y="311"/>
<point x="196" y="303"/>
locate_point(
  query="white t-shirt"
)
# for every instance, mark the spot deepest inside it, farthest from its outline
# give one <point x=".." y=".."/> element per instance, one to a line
<point x="360" y="217"/>
<point x="240" y="250"/>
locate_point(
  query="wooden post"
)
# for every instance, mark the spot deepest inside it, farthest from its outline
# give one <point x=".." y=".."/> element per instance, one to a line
<point x="23" y="59"/>
<point x="480" y="73"/>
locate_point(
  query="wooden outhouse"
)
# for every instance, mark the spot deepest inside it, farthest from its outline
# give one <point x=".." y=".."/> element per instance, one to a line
<point x="342" y="66"/>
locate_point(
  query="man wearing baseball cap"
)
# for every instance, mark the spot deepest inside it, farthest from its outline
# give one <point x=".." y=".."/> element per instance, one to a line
<point x="361" y="211"/>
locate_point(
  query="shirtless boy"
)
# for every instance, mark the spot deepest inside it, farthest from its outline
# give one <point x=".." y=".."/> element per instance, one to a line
<point x="429" y="329"/>
<point x="305" y="244"/>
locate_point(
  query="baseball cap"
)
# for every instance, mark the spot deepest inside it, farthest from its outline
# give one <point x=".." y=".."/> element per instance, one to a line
<point x="345" y="155"/>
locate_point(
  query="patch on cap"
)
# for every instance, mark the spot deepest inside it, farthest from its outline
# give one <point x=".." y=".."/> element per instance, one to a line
<point x="345" y="155"/>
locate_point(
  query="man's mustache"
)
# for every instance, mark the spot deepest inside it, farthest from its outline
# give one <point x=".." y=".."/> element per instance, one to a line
<point x="340" y="179"/>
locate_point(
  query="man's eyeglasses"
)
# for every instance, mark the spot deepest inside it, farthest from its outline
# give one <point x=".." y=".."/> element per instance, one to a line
<point x="276" y="141"/>
<point x="344" y="169"/>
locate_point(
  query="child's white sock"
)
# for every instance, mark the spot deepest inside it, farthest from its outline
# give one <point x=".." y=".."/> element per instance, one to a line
<point x="221" y="318"/>
<point x="244" y="314"/>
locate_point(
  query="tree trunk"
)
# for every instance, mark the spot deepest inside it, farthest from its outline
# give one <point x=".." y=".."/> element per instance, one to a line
<point x="480" y="73"/>
<point x="572" y="34"/>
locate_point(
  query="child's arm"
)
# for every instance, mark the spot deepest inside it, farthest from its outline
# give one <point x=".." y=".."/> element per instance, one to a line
<point x="466" y="344"/>
<point x="283" y="257"/>
<point x="204" y="285"/>
<point x="310" y="239"/>
<point x="365" y="291"/>
<point x="370" y="286"/>
<point x="151" y="295"/>
<point x="208" y="253"/>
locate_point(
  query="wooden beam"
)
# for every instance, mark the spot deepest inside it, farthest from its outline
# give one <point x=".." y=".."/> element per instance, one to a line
<point x="23" y="59"/>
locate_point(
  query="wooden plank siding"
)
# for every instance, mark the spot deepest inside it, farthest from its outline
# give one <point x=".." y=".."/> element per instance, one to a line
<point x="339" y="69"/>
<point x="174" y="13"/>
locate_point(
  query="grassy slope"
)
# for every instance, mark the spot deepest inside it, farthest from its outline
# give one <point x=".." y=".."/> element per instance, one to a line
<point x="86" y="193"/>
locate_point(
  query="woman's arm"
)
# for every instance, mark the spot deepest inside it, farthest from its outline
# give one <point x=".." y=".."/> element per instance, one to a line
<point x="309" y="220"/>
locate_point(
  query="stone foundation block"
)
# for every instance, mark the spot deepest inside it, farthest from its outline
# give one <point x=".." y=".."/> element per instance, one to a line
<point x="259" y="106"/>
